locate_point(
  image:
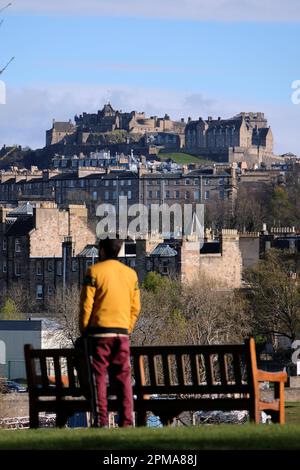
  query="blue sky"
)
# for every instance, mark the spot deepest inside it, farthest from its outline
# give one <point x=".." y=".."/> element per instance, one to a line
<point x="149" y="60"/>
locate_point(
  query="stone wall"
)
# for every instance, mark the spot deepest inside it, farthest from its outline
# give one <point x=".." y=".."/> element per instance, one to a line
<point x="52" y="225"/>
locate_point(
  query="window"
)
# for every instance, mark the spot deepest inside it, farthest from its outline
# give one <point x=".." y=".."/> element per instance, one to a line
<point x="4" y="266"/>
<point x="50" y="266"/>
<point x="95" y="196"/>
<point x="206" y="195"/>
<point x="221" y="194"/>
<point x="129" y="194"/>
<point x="74" y="265"/>
<point x="50" y="290"/>
<point x="196" y="195"/>
<point x="177" y="194"/>
<point x="82" y="183"/>
<point x="4" y="244"/>
<point x="221" y="181"/>
<point x="177" y="182"/>
<point x="115" y="195"/>
<point x="129" y="183"/>
<point x="59" y="268"/>
<point x="158" y="194"/>
<point x="206" y="181"/>
<point x="150" y="194"/>
<point x="114" y="182"/>
<point x="17" y="245"/>
<point x="196" y="181"/>
<point x="106" y="183"/>
<point x="168" y="194"/>
<point x="187" y="195"/>
<point x="187" y="182"/>
<point x="39" y="268"/>
<point x="39" y="291"/>
<point x="122" y="183"/>
<point x="106" y="195"/>
<point x="17" y="269"/>
<point x="165" y="267"/>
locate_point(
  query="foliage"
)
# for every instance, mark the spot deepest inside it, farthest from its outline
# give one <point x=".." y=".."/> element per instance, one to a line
<point x="196" y="313"/>
<point x="275" y="296"/>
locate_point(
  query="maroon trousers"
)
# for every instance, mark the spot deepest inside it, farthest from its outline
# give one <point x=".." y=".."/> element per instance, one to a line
<point x="110" y="360"/>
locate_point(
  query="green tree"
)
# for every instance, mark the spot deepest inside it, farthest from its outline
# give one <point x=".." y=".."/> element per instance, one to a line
<point x="10" y="311"/>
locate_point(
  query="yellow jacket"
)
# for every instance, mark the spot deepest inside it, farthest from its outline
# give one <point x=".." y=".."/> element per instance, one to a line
<point x="110" y="297"/>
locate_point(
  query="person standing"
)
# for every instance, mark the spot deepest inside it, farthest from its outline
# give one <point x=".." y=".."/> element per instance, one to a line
<point x="109" y="308"/>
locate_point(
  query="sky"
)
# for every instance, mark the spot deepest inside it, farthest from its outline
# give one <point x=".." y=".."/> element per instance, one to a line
<point x="180" y="57"/>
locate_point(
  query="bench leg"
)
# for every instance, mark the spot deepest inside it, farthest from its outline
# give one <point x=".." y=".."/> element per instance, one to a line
<point x="167" y="419"/>
<point x="254" y="413"/>
<point x="61" y="419"/>
<point x="141" y="418"/>
<point x="33" y="419"/>
<point x="279" y="394"/>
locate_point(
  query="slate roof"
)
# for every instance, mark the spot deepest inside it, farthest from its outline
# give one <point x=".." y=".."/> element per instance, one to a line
<point x="22" y="226"/>
<point x="164" y="250"/>
<point x="25" y="209"/>
<point x="90" y="251"/>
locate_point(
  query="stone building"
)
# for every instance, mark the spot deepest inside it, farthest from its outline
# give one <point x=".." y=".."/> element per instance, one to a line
<point x="94" y="186"/>
<point x="244" y="137"/>
<point x="89" y="127"/>
<point x="37" y="242"/>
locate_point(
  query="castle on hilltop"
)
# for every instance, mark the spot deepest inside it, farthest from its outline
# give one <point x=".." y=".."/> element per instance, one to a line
<point x="246" y="137"/>
<point x="88" y="127"/>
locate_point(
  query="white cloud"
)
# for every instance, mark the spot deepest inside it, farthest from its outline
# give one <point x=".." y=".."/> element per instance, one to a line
<point x="219" y="10"/>
<point x="29" y="111"/>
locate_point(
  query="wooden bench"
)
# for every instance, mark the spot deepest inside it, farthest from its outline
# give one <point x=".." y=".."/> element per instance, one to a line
<point x="167" y="380"/>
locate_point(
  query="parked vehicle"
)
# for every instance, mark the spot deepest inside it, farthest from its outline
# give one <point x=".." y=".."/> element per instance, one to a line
<point x="9" y="386"/>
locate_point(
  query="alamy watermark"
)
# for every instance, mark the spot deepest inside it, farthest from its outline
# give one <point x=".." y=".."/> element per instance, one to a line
<point x="2" y="92"/>
<point x="138" y="221"/>
<point x="296" y="94"/>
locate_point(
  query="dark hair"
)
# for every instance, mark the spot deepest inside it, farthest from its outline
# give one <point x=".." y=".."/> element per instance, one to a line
<point x="111" y="247"/>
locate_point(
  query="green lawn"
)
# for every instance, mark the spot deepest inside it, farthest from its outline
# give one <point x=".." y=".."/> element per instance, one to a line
<point x="219" y="437"/>
<point x="205" y="437"/>
<point x="183" y="158"/>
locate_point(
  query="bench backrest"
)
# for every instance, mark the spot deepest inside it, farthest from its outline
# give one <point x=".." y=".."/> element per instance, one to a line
<point x="211" y="369"/>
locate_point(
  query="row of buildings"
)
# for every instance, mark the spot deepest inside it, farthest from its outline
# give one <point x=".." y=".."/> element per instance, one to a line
<point x="92" y="186"/>
<point x="44" y="248"/>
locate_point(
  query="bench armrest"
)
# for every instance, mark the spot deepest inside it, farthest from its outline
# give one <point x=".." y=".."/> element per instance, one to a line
<point x="271" y="376"/>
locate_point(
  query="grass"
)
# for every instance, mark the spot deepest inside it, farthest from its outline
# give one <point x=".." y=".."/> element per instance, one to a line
<point x="183" y="158"/>
<point x="217" y="437"/>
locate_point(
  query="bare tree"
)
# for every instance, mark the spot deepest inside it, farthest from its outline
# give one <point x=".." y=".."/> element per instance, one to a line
<point x="275" y="295"/>
<point x="63" y="307"/>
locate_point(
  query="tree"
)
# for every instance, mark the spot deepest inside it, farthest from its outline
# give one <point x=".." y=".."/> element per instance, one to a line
<point x="17" y="303"/>
<point x="63" y="307"/>
<point x="274" y="298"/>
<point x="196" y="313"/>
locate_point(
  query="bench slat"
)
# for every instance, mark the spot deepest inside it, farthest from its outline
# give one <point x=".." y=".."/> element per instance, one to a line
<point x="153" y="372"/>
<point x="209" y="369"/>
<point x="166" y="370"/>
<point x="237" y="368"/>
<point x="44" y="372"/>
<point x="180" y="363"/>
<point x="223" y="368"/>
